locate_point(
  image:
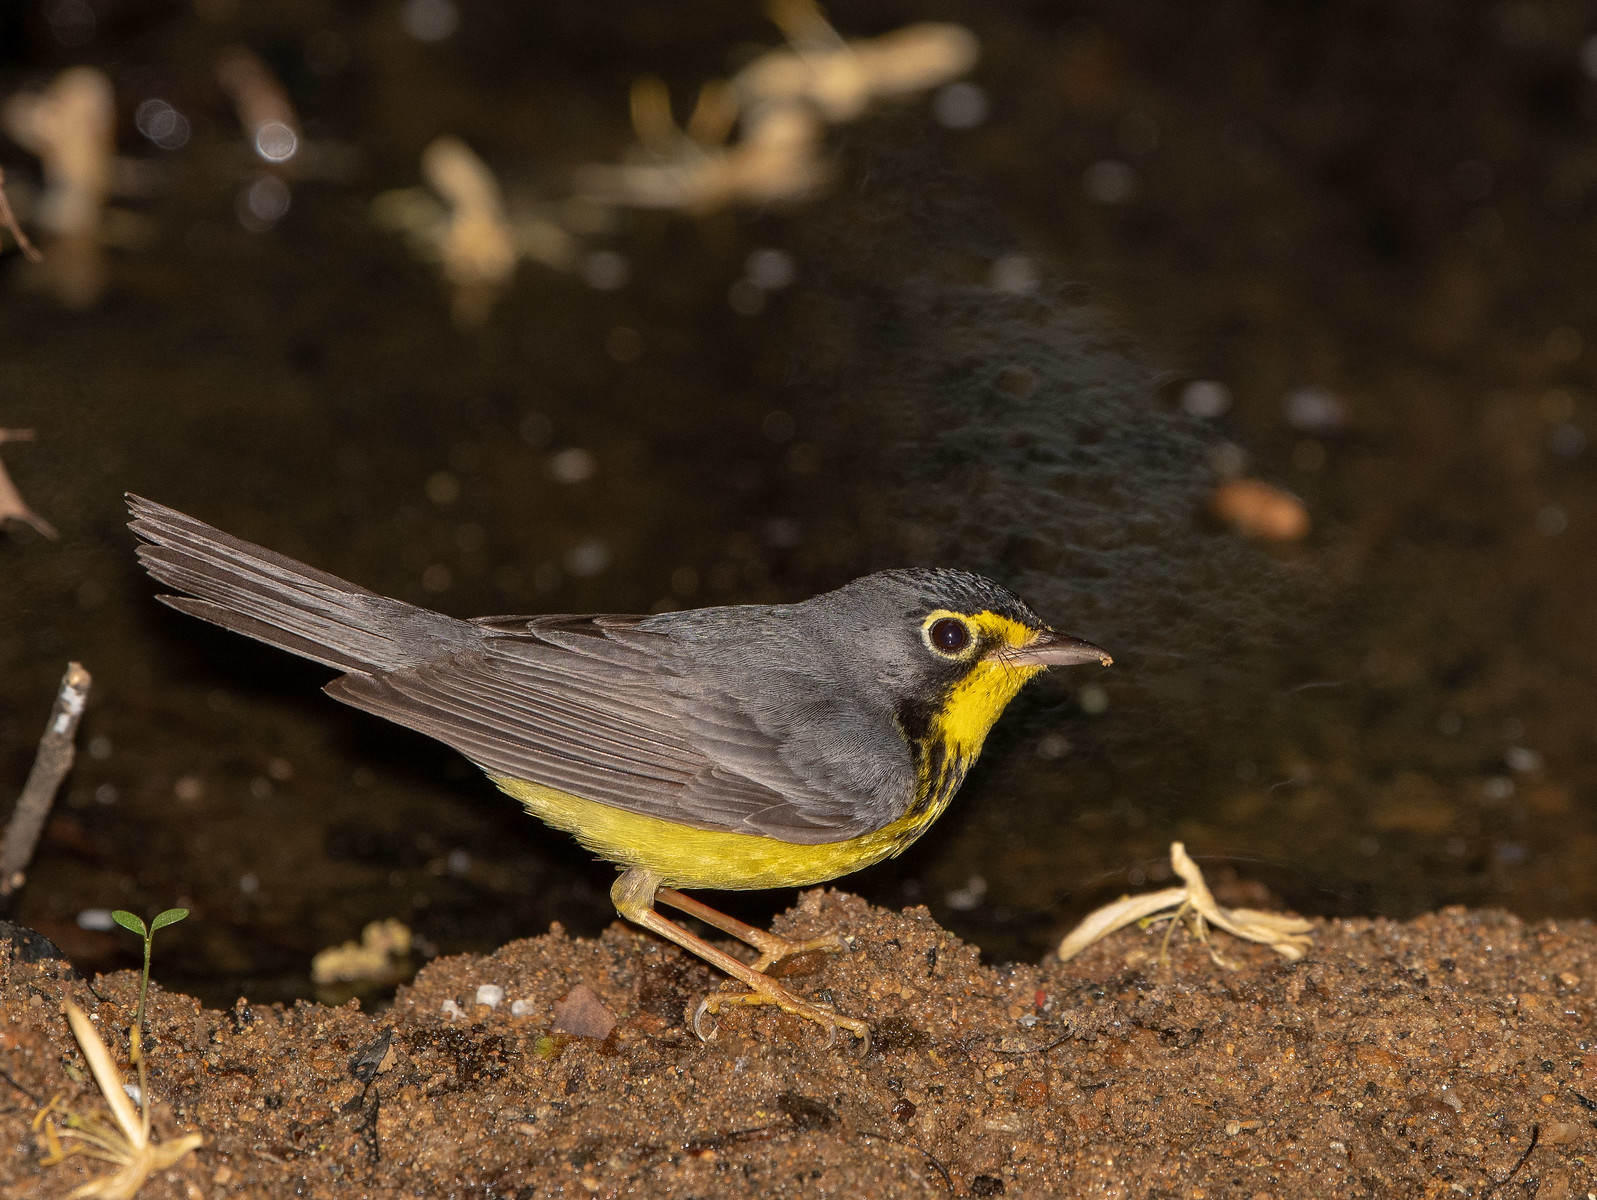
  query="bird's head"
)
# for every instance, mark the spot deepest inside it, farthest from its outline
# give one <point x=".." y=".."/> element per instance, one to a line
<point x="952" y="648"/>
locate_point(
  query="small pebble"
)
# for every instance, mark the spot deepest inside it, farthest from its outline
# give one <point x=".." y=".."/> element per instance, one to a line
<point x="490" y="994"/>
<point x="1256" y="509"/>
<point x="968" y="897"/>
<point x="1315" y="410"/>
<point x="1031" y="1093"/>
<point x="1093" y="699"/>
<point x="1561" y="1133"/>
<point x="520" y="1008"/>
<point x="1521" y="759"/>
<point x="573" y="465"/>
<point x="452" y="1010"/>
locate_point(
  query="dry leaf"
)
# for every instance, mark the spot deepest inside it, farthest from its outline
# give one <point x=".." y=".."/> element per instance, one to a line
<point x="581" y="1013"/>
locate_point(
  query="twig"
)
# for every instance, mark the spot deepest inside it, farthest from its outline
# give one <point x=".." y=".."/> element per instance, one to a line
<point x="1535" y="1136"/>
<point x="1044" y="1048"/>
<point x="20" y="1088"/>
<point x="8" y="220"/>
<point x="50" y="765"/>
<point x="12" y="506"/>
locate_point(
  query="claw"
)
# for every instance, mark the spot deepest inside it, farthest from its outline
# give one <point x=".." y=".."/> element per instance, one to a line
<point x="821" y="1014"/>
<point x="699" y="1014"/>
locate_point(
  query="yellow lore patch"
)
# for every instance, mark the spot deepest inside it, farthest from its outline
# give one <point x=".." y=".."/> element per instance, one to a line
<point x="979" y="699"/>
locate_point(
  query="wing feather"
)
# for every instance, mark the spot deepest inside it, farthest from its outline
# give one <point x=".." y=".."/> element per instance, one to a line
<point x="598" y="708"/>
<point x="683" y="717"/>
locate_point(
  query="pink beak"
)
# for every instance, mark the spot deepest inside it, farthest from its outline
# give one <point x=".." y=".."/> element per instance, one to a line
<point x="1051" y="649"/>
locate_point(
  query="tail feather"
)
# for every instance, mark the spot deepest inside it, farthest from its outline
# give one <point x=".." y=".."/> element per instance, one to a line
<point x="284" y="603"/>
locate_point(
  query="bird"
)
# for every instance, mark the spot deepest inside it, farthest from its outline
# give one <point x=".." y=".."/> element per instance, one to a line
<point x="730" y="747"/>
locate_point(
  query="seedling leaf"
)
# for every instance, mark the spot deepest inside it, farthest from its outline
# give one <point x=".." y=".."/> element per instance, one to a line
<point x="170" y="917"/>
<point x="130" y="922"/>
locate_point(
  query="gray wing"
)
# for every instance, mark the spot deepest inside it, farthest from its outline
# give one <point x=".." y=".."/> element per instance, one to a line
<point x="597" y="707"/>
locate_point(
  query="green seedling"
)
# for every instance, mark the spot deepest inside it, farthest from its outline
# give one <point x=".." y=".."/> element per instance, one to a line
<point x="124" y="1141"/>
<point x="134" y="925"/>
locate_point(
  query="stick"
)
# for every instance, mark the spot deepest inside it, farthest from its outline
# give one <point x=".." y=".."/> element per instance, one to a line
<point x="1535" y="1136"/>
<point x="50" y="765"/>
<point x="8" y="220"/>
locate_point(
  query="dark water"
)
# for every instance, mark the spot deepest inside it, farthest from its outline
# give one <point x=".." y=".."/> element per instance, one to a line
<point x="1392" y="203"/>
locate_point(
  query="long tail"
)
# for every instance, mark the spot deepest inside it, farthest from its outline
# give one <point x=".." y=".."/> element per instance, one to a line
<point x="284" y="603"/>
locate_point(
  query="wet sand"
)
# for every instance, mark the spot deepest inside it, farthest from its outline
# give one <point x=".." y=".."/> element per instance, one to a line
<point x="1446" y="1055"/>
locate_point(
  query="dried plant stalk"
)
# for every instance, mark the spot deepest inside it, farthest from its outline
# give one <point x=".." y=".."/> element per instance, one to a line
<point x="57" y="749"/>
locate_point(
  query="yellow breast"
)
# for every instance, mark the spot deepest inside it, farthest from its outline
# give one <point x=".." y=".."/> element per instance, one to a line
<point x="685" y="857"/>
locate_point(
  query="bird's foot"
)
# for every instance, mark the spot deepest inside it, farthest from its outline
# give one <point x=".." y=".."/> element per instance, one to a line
<point x="768" y="991"/>
<point x="635" y="892"/>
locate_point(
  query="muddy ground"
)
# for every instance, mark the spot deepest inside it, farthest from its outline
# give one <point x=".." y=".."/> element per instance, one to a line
<point x="1450" y="1055"/>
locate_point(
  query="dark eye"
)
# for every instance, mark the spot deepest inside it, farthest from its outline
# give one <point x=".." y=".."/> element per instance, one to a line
<point x="950" y="636"/>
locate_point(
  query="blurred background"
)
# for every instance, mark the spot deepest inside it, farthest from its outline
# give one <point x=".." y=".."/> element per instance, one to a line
<point x="1251" y="343"/>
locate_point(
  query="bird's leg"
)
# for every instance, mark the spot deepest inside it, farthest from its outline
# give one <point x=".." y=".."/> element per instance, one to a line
<point x="634" y="895"/>
<point x="771" y="947"/>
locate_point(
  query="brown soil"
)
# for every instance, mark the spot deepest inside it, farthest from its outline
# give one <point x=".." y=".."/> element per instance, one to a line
<point x="1436" y="1057"/>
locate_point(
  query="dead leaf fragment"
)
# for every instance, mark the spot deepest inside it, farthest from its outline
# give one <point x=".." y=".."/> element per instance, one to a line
<point x="1286" y="935"/>
<point x="581" y="1013"/>
<point x="381" y="956"/>
<point x="12" y="506"/>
